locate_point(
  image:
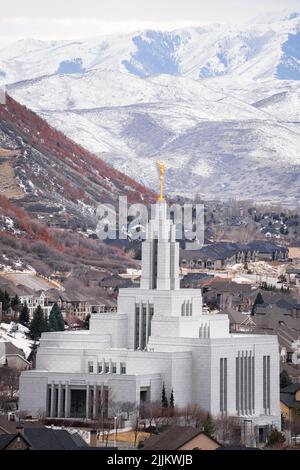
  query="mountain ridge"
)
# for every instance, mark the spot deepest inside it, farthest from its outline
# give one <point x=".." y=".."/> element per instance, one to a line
<point x="203" y="99"/>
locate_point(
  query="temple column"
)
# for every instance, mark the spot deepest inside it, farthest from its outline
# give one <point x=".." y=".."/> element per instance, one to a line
<point x="59" y="400"/>
<point x="87" y="402"/>
<point x="95" y="401"/>
<point x="52" y="404"/>
<point x="102" y="398"/>
<point x="67" y="400"/>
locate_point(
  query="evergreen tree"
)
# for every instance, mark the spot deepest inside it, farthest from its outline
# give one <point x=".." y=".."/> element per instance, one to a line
<point x="164" y="400"/>
<point x="276" y="438"/>
<point x="259" y="300"/>
<point x="208" y="426"/>
<point x="172" y="403"/>
<point x="52" y="323"/>
<point x="284" y="379"/>
<point x="56" y="321"/>
<point x="47" y="322"/>
<point x="16" y="304"/>
<point x="24" y="315"/>
<point x="5" y="299"/>
<point x="38" y="323"/>
<point x="87" y="321"/>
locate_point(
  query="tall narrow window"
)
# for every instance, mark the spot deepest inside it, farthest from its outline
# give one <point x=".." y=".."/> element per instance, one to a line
<point x="150" y="319"/>
<point x="154" y="262"/>
<point x="266" y="384"/>
<point x="90" y="367"/>
<point x="245" y="386"/>
<point x="144" y="325"/>
<point x="137" y="326"/>
<point x="223" y="384"/>
<point x="237" y="385"/>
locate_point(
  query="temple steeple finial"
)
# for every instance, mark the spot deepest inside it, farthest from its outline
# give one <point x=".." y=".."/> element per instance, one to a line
<point x="161" y="167"/>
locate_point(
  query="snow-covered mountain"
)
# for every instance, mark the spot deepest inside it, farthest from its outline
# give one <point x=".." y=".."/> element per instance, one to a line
<point x="259" y="51"/>
<point x="219" y="103"/>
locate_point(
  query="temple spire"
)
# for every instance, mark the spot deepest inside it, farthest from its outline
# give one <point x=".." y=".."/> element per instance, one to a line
<point x="160" y="251"/>
<point x="161" y="167"/>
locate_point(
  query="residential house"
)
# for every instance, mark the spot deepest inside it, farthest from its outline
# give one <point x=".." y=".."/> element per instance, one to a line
<point x="294" y="253"/>
<point x="215" y="256"/>
<point x="225" y="293"/>
<point x="41" y="439"/>
<point x="26" y="295"/>
<point x="13" y="357"/>
<point x="262" y="250"/>
<point x="180" y="438"/>
<point x="287" y="330"/>
<point x="290" y="401"/>
<point x="10" y="424"/>
<point x="278" y="303"/>
<point x="239" y="322"/>
<point x="114" y="282"/>
<point x="194" y="280"/>
<point x="293" y="276"/>
<point x="76" y="304"/>
<point x="223" y="254"/>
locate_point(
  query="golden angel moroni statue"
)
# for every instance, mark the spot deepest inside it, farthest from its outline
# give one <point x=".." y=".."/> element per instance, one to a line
<point x="161" y="167"/>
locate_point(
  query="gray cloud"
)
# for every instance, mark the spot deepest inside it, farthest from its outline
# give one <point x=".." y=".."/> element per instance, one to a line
<point x="77" y="18"/>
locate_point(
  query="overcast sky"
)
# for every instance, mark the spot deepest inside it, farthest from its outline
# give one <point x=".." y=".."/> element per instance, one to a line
<point x="60" y="19"/>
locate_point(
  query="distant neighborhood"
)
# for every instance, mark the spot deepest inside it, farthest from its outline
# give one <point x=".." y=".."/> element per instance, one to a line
<point x="255" y="283"/>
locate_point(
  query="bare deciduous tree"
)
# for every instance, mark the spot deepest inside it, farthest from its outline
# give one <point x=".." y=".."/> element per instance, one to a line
<point x="227" y="430"/>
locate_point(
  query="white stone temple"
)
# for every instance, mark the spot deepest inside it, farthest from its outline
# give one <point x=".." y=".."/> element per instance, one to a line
<point x="159" y="335"/>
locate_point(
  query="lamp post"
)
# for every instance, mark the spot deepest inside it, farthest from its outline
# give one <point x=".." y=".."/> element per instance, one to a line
<point x="115" y="433"/>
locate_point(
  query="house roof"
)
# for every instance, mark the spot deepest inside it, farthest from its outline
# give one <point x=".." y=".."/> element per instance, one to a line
<point x="24" y="290"/>
<point x="7" y="426"/>
<point x="293" y="370"/>
<point x="285" y="327"/>
<point x="237" y="317"/>
<point x="288" y="394"/>
<point x="52" y="439"/>
<point x="172" y="438"/>
<point x="11" y="349"/>
<point x="215" y="251"/>
<point x="285" y="303"/>
<point x="263" y="246"/>
<point x="227" y="285"/>
<point x="292" y="389"/>
<point x="224" y="250"/>
<point x="196" y="277"/>
<point x="78" y="440"/>
<point x="19" y="290"/>
<point x="6" y="439"/>
<point x="271" y="297"/>
<point x="287" y="399"/>
<point x="116" y="281"/>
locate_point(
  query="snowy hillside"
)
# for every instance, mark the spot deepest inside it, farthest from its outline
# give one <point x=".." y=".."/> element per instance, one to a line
<point x="217" y="103"/>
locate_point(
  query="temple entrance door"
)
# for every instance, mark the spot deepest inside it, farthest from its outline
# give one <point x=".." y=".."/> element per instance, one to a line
<point x="78" y="403"/>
